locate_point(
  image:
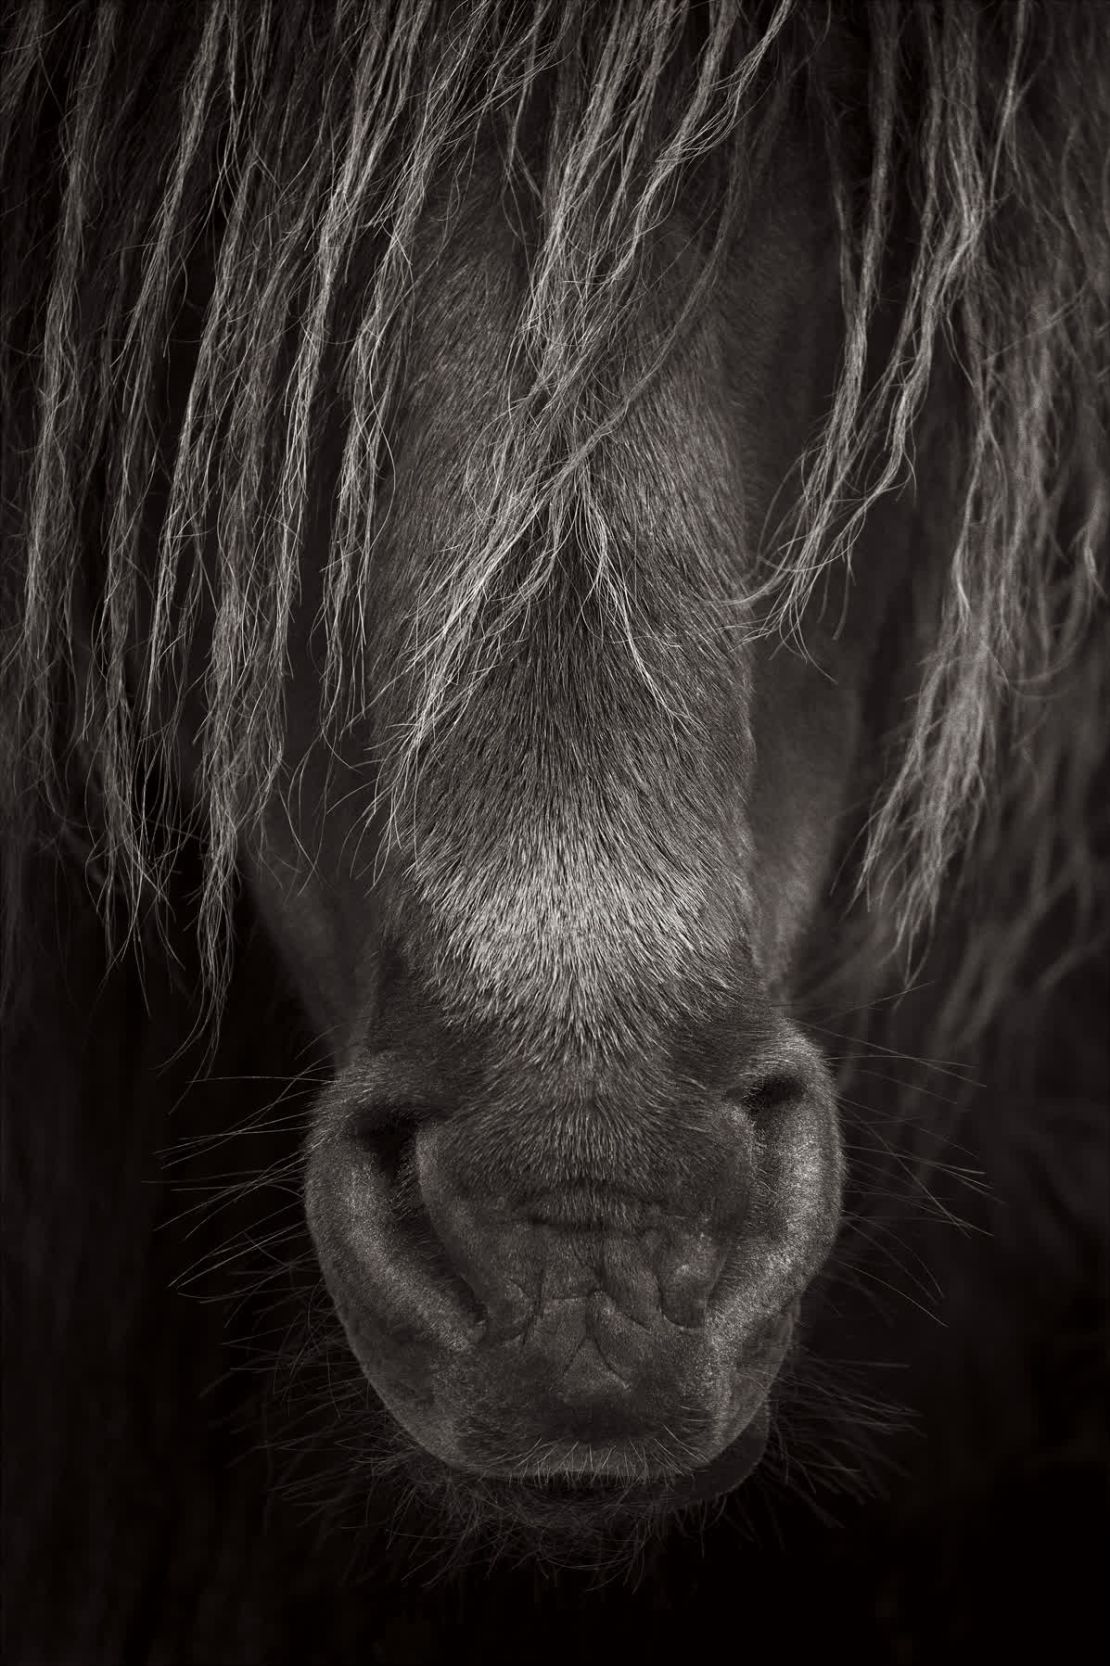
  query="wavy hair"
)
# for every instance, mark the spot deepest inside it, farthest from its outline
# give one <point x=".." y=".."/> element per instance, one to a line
<point x="228" y="200"/>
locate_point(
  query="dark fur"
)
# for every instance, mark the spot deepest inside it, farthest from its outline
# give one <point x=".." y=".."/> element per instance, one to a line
<point x="187" y="209"/>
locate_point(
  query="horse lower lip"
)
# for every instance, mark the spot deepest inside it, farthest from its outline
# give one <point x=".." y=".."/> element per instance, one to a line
<point x="602" y="1493"/>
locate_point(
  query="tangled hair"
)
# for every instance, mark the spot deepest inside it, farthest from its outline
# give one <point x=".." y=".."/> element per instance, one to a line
<point x="233" y="199"/>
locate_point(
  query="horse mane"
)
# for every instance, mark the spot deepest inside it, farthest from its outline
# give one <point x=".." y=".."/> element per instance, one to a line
<point x="196" y="197"/>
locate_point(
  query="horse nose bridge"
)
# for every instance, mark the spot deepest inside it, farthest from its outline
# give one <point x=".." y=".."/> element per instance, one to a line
<point x="563" y="957"/>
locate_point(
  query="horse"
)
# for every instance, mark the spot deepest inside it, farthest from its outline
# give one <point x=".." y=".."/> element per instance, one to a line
<point x="554" y="635"/>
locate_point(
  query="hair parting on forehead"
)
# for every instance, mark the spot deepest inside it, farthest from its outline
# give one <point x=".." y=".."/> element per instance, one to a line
<point x="266" y="146"/>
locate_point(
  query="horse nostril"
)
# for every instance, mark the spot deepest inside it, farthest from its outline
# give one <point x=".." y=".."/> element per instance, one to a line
<point x="397" y="1236"/>
<point x="387" y="1138"/>
<point x="773" y="1091"/>
<point x="389" y="1142"/>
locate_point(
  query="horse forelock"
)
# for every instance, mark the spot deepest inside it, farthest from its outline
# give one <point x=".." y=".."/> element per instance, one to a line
<point x="269" y="148"/>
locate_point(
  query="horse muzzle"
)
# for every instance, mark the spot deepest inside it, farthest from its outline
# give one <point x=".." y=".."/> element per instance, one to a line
<point x="589" y="1329"/>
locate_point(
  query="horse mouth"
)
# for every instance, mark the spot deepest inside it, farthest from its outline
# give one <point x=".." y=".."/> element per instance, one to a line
<point x="569" y="1520"/>
<point x="579" y="1501"/>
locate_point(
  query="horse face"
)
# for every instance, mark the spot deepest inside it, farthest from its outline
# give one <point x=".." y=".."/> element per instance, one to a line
<point x="577" y="1165"/>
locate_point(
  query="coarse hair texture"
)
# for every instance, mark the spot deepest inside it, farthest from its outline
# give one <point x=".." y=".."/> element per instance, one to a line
<point x="233" y="199"/>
